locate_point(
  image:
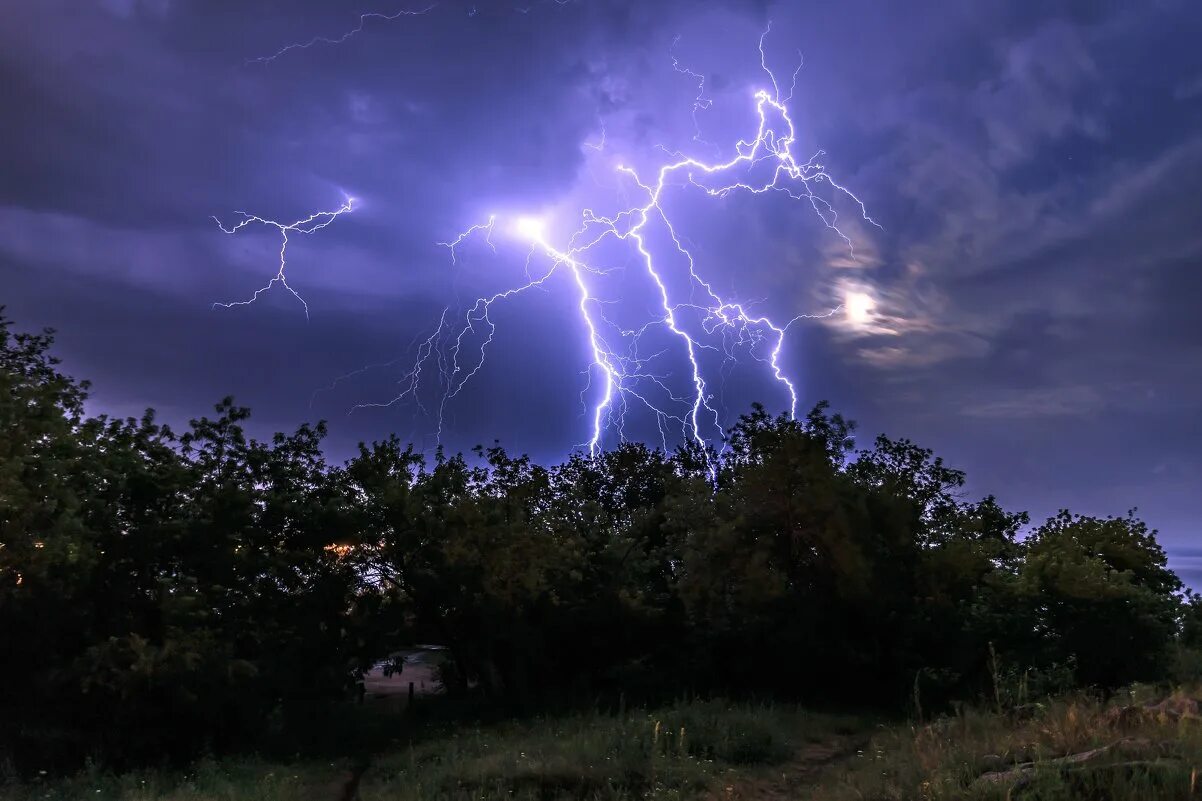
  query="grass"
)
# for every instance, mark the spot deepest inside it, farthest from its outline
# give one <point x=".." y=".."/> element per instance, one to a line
<point x="208" y="780"/>
<point x="675" y="752"/>
<point x="670" y="753"/>
<point x="1148" y="758"/>
<point x="717" y="750"/>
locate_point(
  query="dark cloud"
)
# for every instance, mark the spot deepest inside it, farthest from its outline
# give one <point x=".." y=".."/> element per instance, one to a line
<point x="1031" y="297"/>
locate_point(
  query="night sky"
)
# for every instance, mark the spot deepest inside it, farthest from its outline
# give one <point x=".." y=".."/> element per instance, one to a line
<point x="1035" y="169"/>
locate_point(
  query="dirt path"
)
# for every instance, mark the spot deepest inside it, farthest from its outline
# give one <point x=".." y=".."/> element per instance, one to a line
<point x="350" y="790"/>
<point x="787" y="781"/>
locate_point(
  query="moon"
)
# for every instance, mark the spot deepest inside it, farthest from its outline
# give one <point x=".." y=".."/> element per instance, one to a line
<point x="859" y="307"/>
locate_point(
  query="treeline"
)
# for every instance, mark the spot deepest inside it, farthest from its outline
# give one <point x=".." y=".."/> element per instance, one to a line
<point x="163" y="594"/>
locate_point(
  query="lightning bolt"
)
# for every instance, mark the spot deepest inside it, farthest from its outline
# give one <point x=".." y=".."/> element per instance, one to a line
<point x="314" y="222"/>
<point x="700" y="102"/>
<point x="457" y="241"/>
<point x="600" y="144"/>
<point x="623" y="373"/>
<point x="337" y="40"/>
<point x="629" y="367"/>
<point x="363" y="20"/>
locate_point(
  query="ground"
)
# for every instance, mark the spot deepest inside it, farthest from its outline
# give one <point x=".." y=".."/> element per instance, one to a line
<point x="1142" y="746"/>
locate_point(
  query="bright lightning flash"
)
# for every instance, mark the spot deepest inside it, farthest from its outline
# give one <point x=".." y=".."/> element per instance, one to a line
<point x="699" y="320"/>
<point x="531" y="228"/>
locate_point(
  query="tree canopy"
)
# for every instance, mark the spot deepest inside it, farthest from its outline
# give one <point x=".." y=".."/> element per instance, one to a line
<point x="163" y="593"/>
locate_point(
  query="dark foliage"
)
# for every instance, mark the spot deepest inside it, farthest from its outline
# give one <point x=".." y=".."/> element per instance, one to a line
<point x="161" y="595"/>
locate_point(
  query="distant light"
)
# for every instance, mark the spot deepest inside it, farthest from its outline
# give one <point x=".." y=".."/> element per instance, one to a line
<point x="859" y="307"/>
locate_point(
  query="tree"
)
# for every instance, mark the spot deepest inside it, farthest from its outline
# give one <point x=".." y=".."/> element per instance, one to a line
<point x="1100" y="590"/>
<point x="164" y="594"/>
<point x="158" y="595"/>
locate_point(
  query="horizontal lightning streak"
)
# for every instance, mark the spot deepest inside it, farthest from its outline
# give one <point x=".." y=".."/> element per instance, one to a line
<point x="337" y="40"/>
<point x="372" y="16"/>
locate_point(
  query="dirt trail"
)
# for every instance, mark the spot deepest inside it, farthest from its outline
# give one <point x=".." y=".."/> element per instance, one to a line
<point x="787" y="780"/>
<point x="350" y="790"/>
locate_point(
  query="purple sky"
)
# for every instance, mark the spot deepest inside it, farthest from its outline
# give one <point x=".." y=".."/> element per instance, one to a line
<point x="1035" y="169"/>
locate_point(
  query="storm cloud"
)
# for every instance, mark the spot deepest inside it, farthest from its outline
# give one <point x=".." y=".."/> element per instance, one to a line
<point x="1034" y="168"/>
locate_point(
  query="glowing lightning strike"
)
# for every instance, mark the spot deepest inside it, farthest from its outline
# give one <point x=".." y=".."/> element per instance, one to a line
<point x="314" y="222"/>
<point x="699" y="321"/>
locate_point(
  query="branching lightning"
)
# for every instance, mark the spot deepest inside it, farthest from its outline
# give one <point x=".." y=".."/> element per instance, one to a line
<point x="314" y="222"/>
<point x="627" y="372"/>
<point x="458" y="240"/>
<point x="630" y="368"/>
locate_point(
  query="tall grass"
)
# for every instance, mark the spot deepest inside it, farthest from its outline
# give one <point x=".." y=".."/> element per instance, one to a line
<point x="668" y="753"/>
<point x="208" y="780"/>
<point x="674" y="752"/>
<point x="1152" y="758"/>
<point x="720" y="750"/>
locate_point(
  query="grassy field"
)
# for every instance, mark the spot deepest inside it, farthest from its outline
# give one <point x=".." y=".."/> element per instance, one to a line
<point x="1073" y="748"/>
